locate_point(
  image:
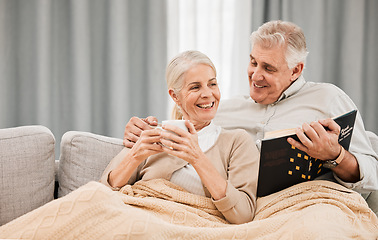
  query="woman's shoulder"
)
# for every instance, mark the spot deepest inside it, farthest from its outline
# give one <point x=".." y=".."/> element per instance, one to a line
<point x="233" y="139"/>
<point x="235" y="134"/>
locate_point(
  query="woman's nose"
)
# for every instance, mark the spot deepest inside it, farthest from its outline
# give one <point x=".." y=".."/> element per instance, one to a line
<point x="206" y="92"/>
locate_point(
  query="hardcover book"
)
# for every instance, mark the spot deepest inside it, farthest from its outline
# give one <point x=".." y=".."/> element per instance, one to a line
<point x="282" y="165"/>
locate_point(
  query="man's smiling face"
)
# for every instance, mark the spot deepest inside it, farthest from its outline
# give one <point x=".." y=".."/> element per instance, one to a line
<point x="269" y="74"/>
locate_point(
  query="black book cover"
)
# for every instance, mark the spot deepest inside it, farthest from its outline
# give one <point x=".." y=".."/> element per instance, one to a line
<point x="282" y="165"/>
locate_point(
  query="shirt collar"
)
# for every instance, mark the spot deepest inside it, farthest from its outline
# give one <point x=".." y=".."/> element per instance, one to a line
<point x="209" y="128"/>
<point x="293" y="89"/>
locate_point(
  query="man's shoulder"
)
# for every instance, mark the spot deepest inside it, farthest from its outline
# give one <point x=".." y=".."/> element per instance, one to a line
<point x="243" y="99"/>
<point x="323" y="87"/>
<point x="319" y="91"/>
<point x="236" y="112"/>
<point x="236" y="103"/>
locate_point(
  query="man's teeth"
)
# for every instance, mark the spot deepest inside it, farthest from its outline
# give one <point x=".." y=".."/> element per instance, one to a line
<point x="206" y="105"/>
<point x="258" y="86"/>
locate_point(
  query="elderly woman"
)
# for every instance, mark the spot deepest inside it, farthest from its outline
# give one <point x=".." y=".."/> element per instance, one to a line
<point x="205" y="160"/>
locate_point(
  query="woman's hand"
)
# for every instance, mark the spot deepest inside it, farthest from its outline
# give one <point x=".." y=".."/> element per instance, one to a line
<point x="146" y="145"/>
<point x="184" y="144"/>
<point x="180" y="143"/>
<point x="135" y="127"/>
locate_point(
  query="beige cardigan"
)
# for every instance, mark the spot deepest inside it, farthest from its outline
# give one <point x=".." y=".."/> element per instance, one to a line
<point x="236" y="158"/>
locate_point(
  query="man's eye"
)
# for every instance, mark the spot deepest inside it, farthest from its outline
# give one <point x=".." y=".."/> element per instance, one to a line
<point x="194" y="87"/>
<point x="253" y="63"/>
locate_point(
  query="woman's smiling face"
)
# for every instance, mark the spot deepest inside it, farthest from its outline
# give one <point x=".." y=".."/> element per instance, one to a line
<point x="199" y="96"/>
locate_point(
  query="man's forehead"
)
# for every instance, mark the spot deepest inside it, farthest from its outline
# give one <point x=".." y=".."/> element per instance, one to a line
<point x="272" y="56"/>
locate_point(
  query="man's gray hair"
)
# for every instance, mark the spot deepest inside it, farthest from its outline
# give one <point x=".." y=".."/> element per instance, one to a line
<point x="281" y="33"/>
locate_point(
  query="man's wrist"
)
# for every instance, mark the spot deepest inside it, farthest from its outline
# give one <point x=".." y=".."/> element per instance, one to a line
<point x="334" y="163"/>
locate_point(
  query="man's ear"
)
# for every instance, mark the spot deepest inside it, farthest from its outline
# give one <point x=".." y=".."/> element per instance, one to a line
<point x="297" y="71"/>
<point x="173" y="96"/>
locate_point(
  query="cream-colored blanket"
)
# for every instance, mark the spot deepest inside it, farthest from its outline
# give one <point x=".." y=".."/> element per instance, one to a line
<point x="159" y="209"/>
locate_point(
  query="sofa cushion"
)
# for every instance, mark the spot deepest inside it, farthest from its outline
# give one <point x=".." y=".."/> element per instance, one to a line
<point x="83" y="158"/>
<point x="27" y="170"/>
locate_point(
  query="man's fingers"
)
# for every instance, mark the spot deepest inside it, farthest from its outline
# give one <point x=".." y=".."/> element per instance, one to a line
<point x="151" y="120"/>
<point x="139" y="123"/>
<point x="310" y="132"/>
<point x="303" y="142"/>
<point x="296" y="144"/>
<point x="330" y="125"/>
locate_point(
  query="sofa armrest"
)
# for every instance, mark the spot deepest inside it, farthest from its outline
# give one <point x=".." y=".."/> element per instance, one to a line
<point x="83" y="158"/>
<point x="372" y="198"/>
<point x="27" y="170"/>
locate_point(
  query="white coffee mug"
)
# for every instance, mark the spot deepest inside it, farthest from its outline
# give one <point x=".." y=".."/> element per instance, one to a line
<point x="178" y="123"/>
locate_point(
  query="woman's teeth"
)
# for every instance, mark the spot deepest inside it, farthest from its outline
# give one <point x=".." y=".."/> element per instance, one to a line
<point x="206" y="105"/>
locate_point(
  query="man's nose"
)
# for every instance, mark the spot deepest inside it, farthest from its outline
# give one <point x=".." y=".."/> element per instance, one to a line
<point x="257" y="74"/>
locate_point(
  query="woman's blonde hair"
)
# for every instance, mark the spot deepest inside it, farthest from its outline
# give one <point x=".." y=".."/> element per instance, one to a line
<point x="280" y="33"/>
<point x="176" y="70"/>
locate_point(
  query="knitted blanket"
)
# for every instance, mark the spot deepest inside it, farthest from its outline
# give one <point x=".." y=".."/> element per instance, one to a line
<point x="158" y="209"/>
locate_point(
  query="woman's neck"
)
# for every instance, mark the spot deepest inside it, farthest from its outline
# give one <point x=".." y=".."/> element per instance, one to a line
<point x="201" y="125"/>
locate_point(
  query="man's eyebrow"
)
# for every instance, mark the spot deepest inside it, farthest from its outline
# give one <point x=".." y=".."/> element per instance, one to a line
<point x="264" y="63"/>
<point x="269" y="66"/>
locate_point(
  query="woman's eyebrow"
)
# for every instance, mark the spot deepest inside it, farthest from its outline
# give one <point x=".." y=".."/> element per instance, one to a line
<point x="193" y="83"/>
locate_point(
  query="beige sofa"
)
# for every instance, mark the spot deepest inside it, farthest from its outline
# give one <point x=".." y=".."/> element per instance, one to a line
<point x="30" y="175"/>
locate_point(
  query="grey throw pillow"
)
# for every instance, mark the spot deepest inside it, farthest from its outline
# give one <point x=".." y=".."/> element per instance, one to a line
<point x="83" y="158"/>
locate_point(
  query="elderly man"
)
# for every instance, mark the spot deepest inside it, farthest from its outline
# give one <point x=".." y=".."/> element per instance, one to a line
<point x="281" y="98"/>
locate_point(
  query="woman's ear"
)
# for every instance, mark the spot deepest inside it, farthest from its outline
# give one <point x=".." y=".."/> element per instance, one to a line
<point x="173" y="96"/>
<point x="297" y="71"/>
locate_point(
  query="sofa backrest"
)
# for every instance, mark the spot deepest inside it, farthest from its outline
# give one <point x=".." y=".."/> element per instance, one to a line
<point x="27" y="159"/>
